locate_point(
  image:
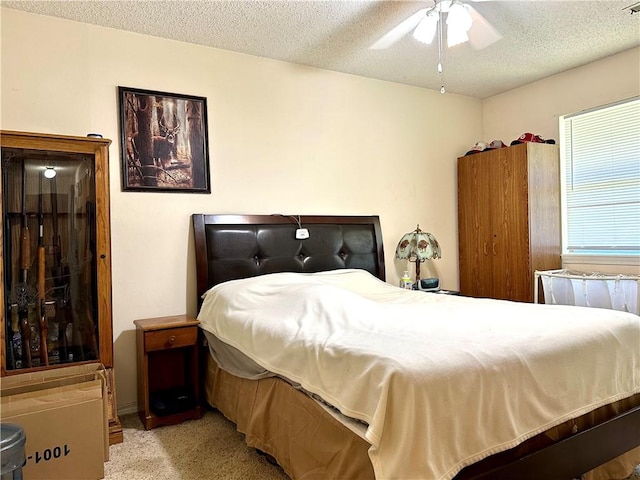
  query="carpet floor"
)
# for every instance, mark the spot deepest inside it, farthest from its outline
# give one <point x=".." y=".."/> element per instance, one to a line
<point x="209" y="448"/>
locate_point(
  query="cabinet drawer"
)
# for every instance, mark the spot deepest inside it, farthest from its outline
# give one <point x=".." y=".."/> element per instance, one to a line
<point x="171" y="338"/>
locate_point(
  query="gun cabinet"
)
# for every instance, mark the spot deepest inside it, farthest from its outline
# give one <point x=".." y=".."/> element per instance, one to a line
<point x="56" y="256"/>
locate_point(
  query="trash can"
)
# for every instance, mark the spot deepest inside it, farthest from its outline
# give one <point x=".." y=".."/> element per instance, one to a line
<point x="12" y="441"/>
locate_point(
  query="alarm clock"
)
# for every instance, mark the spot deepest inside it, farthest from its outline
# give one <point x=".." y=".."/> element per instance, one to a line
<point x="429" y="284"/>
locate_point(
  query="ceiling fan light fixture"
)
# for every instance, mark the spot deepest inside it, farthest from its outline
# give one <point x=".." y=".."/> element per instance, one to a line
<point x="458" y="23"/>
<point x="456" y="36"/>
<point x="426" y="29"/>
<point x="459" y="16"/>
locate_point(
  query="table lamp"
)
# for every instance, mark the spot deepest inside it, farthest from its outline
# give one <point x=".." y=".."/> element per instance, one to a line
<point x="418" y="246"/>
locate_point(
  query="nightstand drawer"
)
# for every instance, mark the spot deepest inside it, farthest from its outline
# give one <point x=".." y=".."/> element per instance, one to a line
<point x="172" y="338"/>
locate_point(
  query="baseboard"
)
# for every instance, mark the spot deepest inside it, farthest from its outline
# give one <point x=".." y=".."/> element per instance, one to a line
<point x="127" y="408"/>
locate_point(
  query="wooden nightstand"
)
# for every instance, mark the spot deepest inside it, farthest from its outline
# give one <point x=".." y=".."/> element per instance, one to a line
<point x="168" y="383"/>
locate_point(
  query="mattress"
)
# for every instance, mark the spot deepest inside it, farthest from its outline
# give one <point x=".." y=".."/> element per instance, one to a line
<point x="357" y="333"/>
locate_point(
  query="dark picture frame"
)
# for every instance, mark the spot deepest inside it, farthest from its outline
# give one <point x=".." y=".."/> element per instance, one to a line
<point x="163" y="141"/>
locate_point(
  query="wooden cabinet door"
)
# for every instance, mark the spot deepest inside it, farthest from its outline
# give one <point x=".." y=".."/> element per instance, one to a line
<point x="65" y="315"/>
<point x="493" y="224"/>
<point x="474" y="225"/>
<point x="509" y="239"/>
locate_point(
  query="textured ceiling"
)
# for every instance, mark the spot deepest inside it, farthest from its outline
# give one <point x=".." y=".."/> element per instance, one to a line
<point x="539" y="38"/>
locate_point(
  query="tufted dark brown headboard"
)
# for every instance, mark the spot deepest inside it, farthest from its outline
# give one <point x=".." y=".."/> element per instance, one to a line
<point x="239" y="246"/>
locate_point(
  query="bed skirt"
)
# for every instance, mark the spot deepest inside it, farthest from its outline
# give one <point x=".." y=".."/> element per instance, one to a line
<point x="311" y="444"/>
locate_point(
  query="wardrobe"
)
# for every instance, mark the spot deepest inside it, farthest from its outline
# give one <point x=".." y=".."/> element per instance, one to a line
<point x="508" y="219"/>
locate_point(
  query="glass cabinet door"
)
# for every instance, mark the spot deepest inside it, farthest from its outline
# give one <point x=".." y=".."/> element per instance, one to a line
<point x="49" y="255"/>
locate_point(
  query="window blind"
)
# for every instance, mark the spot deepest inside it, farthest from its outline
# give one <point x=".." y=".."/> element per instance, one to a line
<point x="600" y="152"/>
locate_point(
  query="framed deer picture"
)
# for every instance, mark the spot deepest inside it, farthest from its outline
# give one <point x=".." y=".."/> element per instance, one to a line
<point x="163" y="141"/>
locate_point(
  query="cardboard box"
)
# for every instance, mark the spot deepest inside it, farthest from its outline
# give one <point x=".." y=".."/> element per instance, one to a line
<point x="55" y="377"/>
<point x="63" y="414"/>
<point x="52" y="374"/>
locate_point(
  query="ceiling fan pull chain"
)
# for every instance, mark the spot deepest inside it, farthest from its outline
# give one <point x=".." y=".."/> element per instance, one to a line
<point x="440" y="69"/>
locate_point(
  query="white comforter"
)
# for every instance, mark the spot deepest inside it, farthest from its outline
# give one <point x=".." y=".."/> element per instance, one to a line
<point x="441" y="381"/>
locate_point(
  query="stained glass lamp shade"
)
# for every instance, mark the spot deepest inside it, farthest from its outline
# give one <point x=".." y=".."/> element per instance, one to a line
<point x="418" y="246"/>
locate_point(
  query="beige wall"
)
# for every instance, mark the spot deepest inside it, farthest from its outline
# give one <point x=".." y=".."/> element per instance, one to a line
<point x="283" y="139"/>
<point x="536" y="107"/>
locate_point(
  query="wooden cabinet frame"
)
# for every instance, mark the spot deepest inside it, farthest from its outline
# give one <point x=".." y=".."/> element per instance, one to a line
<point x="99" y="149"/>
<point x="508" y="219"/>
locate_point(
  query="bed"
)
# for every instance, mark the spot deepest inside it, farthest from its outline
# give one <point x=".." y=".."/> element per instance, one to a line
<point x="285" y="416"/>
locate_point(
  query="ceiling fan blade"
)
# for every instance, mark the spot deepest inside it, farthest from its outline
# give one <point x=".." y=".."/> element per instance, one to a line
<point x="399" y="31"/>
<point x="482" y="33"/>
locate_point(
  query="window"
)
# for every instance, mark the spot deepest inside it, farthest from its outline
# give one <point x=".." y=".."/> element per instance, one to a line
<point x="600" y="162"/>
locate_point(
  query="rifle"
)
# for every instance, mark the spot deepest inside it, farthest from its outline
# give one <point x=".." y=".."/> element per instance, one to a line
<point x="44" y="330"/>
<point x="24" y="293"/>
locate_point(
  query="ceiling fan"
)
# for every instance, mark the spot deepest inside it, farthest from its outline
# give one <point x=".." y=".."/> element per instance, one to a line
<point x="463" y="23"/>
